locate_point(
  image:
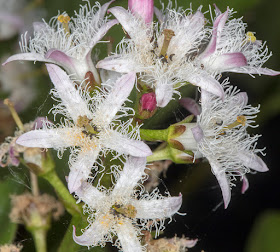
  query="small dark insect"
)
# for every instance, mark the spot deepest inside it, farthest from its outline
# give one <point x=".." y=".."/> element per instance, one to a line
<point x="171" y="56"/>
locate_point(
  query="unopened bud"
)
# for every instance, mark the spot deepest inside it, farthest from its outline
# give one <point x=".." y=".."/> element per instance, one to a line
<point x="142" y="8"/>
<point x="148" y="105"/>
<point x="182" y="135"/>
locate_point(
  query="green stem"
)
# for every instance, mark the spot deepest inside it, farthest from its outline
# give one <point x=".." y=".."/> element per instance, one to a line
<point x="154" y="135"/>
<point x="66" y="198"/>
<point x="40" y="238"/>
<point x="161" y="154"/>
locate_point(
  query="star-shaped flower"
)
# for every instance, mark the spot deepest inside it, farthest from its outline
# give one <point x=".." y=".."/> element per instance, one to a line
<point x="93" y="125"/>
<point x="220" y="135"/>
<point x="162" y="54"/>
<point x="68" y="42"/>
<point x="231" y="49"/>
<point x="123" y="211"/>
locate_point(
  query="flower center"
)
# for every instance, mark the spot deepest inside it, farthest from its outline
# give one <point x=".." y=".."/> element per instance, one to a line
<point x="89" y="130"/>
<point x="64" y="20"/>
<point x="119" y="210"/>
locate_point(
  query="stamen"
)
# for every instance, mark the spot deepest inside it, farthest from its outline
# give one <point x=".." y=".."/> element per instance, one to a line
<point x="11" y="107"/>
<point x="168" y="34"/>
<point x="240" y="120"/>
<point x="64" y="19"/>
<point x="251" y="37"/>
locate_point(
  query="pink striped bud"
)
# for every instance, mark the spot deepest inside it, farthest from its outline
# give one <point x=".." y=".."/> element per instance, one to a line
<point x="148" y="105"/>
<point x="142" y="8"/>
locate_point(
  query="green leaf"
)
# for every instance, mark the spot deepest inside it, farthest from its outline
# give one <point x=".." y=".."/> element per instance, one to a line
<point x="265" y="233"/>
<point x="10" y="185"/>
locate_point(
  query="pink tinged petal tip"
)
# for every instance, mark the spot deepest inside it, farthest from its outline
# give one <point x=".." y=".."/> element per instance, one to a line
<point x="245" y="185"/>
<point x="217" y="30"/>
<point x="142" y="8"/>
<point x="255" y="70"/>
<point x="197" y="133"/>
<point x="208" y="83"/>
<point x="125" y="19"/>
<point x="26" y="56"/>
<point x="116" y="64"/>
<point x="190" y="243"/>
<point x="70" y="97"/>
<point x="190" y="105"/>
<point x="223" y="182"/>
<point x="252" y="161"/>
<point x="60" y="58"/>
<point x="92" y="235"/>
<point x="50" y="138"/>
<point x="38" y="123"/>
<point x="228" y="61"/>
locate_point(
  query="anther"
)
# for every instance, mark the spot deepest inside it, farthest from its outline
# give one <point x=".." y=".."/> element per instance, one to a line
<point x="64" y="20"/>
<point x="251" y="37"/>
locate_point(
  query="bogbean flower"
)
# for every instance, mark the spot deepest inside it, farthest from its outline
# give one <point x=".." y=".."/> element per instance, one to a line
<point x="68" y="42"/>
<point x="220" y="135"/>
<point x="93" y="125"/>
<point x="124" y="210"/>
<point x="162" y="54"/>
<point x="232" y="49"/>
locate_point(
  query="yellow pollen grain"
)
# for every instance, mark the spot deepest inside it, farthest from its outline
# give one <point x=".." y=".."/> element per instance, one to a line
<point x="63" y="19"/>
<point x="242" y="120"/>
<point x="251" y="37"/>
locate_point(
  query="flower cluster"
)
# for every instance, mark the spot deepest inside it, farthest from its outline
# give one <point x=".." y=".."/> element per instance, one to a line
<point x="104" y="130"/>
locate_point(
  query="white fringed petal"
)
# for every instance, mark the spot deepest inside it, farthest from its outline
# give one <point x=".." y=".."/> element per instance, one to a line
<point x="118" y="64"/>
<point x="29" y="57"/>
<point x="252" y="161"/>
<point x="128" y="238"/>
<point x="157" y="208"/>
<point x="81" y="168"/>
<point x="92" y="235"/>
<point x="89" y="194"/>
<point x="126" y="20"/>
<point x="207" y="83"/>
<point x="115" y="99"/>
<point x="223" y="182"/>
<point x="49" y="138"/>
<point x="123" y="144"/>
<point x="70" y="97"/>
<point x="164" y="93"/>
<point x="228" y="61"/>
<point x="131" y="174"/>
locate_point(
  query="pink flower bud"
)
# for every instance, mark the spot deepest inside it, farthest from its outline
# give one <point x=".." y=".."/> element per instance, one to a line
<point x="142" y="8"/>
<point x="148" y="102"/>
